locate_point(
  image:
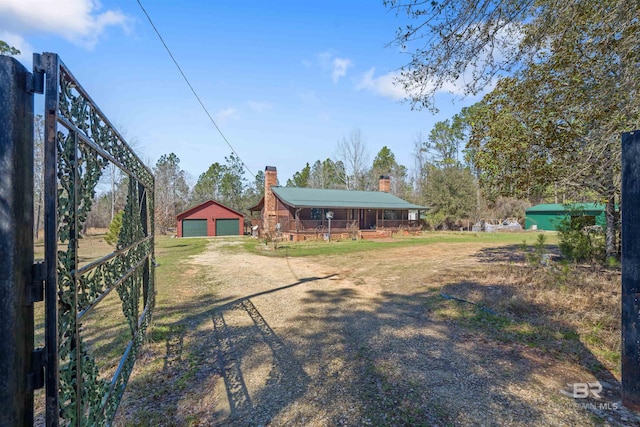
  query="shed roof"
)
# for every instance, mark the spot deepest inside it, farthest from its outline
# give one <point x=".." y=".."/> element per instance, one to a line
<point x="331" y="198"/>
<point x="204" y="205"/>
<point x="557" y="207"/>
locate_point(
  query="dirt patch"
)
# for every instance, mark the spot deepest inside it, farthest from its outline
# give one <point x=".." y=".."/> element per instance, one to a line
<point x="353" y="340"/>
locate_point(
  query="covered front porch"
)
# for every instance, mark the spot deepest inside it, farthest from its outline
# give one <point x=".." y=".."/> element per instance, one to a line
<point x="354" y="223"/>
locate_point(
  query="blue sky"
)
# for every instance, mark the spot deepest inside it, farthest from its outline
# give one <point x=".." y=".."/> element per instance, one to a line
<point x="284" y="80"/>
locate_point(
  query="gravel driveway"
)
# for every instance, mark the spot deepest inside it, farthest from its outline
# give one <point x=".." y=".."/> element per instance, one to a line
<point x="349" y="340"/>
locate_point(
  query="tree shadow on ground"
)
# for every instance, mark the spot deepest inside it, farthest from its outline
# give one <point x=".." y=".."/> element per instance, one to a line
<point x="405" y="364"/>
<point x="221" y="339"/>
<point x="513" y="253"/>
<point x="500" y="313"/>
<point x="406" y="356"/>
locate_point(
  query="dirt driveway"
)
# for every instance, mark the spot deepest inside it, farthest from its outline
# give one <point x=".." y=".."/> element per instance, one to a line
<point x="349" y="340"/>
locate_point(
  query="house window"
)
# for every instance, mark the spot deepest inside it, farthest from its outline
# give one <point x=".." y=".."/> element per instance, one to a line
<point x="316" y="213"/>
<point x="389" y="214"/>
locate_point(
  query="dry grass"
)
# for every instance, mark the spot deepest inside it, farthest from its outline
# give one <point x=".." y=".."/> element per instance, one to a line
<point x="572" y="311"/>
<point x="583" y="300"/>
<point x="90" y="248"/>
<point x="104" y="330"/>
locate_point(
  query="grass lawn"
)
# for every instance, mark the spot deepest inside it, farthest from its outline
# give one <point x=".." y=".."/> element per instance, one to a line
<point x="321" y="247"/>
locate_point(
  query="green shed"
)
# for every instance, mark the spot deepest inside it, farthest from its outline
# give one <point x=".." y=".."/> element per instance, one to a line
<point x="547" y="216"/>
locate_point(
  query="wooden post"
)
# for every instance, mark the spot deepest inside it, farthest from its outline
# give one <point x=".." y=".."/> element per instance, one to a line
<point x="631" y="270"/>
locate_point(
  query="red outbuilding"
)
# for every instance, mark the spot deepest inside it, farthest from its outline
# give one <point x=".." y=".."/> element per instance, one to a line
<point x="210" y="218"/>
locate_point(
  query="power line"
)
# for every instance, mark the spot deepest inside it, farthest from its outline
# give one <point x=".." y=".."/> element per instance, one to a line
<point x="193" y="90"/>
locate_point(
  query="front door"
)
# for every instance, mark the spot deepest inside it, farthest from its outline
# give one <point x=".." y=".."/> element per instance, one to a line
<point x="366" y="219"/>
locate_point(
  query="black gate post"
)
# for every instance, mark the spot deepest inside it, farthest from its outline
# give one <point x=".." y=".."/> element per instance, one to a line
<point x="631" y="270"/>
<point x="50" y="65"/>
<point x="16" y="244"/>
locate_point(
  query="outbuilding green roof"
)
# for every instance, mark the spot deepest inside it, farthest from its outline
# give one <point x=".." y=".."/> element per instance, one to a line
<point x="329" y="198"/>
<point x="557" y="207"/>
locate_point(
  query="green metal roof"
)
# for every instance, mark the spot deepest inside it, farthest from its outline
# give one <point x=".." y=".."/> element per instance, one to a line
<point x="557" y="207"/>
<point x="328" y="198"/>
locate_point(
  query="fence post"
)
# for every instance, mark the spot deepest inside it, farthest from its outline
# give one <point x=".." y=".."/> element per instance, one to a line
<point x="16" y="243"/>
<point x="50" y="65"/>
<point x="631" y="269"/>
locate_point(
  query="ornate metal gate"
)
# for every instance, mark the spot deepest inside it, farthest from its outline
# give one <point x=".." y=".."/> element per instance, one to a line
<point x="80" y="143"/>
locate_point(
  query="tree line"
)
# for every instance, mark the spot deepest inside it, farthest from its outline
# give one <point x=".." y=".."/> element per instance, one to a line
<point x="442" y="180"/>
<point x="225" y="183"/>
<point x="561" y="81"/>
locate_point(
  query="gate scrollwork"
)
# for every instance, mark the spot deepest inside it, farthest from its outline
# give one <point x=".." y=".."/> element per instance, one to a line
<point x="81" y="144"/>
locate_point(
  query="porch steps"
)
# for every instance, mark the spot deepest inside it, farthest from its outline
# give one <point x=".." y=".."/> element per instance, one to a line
<point x="375" y="234"/>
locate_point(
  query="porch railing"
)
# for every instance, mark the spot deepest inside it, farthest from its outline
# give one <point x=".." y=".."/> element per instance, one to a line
<point x="310" y="225"/>
<point x="315" y="225"/>
<point x="398" y="223"/>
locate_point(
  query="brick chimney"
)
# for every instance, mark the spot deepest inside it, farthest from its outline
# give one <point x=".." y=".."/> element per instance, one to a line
<point x="384" y="184"/>
<point x="270" y="213"/>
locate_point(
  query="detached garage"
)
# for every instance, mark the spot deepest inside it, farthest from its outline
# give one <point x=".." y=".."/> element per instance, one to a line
<point x="210" y="219"/>
<point x="548" y="216"/>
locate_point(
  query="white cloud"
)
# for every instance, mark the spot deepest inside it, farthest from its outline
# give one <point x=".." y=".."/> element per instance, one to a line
<point x="259" y="107"/>
<point x="227" y="114"/>
<point x="340" y="66"/>
<point x="79" y="21"/>
<point x="384" y="85"/>
<point x="329" y="62"/>
<point x="389" y="86"/>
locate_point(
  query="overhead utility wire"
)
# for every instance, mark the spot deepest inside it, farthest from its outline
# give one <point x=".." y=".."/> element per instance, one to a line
<point x="192" y="89"/>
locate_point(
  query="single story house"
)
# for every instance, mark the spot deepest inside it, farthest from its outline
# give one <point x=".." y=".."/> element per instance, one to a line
<point x="547" y="216"/>
<point x="299" y="213"/>
<point x="210" y="218"/>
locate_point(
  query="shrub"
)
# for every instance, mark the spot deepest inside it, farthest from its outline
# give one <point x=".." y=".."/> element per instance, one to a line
<point x="579" y="239"/>
<point x="353" y="230"/>
<point x="539" y="255"/>
<point x="114" y="229"/>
